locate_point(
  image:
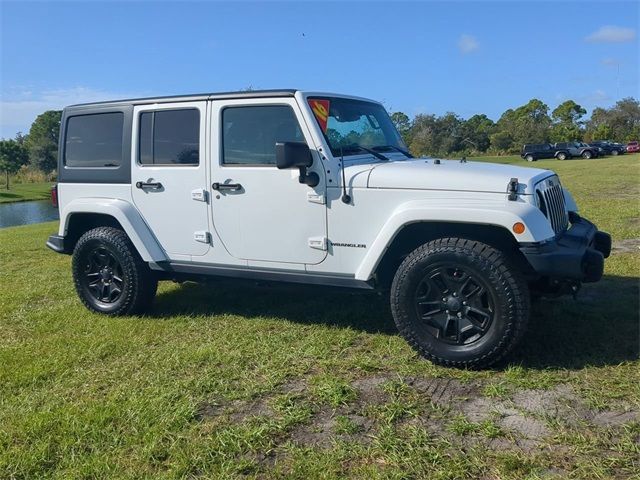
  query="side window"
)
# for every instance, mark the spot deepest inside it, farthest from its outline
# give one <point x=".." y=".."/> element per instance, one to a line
<point x="249" y="134"/>
<point x="94" y="140"/>
<point x="169" y="137"/>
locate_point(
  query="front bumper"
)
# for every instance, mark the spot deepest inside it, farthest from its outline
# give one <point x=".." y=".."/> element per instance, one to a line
<point x="578" y="254"/>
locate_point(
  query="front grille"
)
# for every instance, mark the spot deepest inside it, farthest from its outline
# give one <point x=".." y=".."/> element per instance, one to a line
<point x="551" y="201"/>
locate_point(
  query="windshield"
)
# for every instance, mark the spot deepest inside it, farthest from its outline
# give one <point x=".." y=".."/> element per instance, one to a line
<point x="349" y="125"/>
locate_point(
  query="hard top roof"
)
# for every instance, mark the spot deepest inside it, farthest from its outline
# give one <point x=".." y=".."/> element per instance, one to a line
<point x="285" y="92"/>
<point x="194" y="97"/>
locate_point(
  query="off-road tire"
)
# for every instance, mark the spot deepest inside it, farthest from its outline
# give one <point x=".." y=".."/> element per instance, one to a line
<point x="530" y="158"/>
<point x="505" y="283"/>
<point x="562" y="156"/>
<point x="139" y="284"/>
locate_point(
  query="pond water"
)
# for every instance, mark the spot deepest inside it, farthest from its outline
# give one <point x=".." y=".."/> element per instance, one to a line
<point x="25" y="213"/>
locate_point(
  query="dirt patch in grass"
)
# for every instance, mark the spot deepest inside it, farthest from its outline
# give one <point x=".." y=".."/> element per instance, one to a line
<point x="629" y="245"/>
<point x="328" y="426"/>
<point x="443" y="392"/>
<point x="458" y="412"/>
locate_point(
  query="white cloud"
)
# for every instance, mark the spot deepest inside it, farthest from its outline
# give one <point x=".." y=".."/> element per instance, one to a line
<point x="612" y="34"/>
<point x="19" y="108"/>
<point x="468" y="43"/>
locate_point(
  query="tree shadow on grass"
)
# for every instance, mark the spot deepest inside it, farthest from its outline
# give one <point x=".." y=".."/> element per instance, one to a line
<point x="601" y="327"/>
<point x="6" y="194"/>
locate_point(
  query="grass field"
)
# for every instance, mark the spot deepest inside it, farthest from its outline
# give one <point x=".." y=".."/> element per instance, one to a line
<point x="22" y="192"/>
<point x="236" y="380"/>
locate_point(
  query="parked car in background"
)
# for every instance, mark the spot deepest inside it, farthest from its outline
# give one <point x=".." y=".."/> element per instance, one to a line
<point x="633" y="147"/>
<point x="565" y="150"/>
<point x="608" y="148"/>
<point x="534" y="151"/>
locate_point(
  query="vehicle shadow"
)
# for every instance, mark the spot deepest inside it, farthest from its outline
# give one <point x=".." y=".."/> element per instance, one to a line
<point x="601" y="327"/>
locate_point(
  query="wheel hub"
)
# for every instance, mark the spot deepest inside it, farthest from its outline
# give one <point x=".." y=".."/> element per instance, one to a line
<point x="453" y="304"/>
<point x="106" y="274"/>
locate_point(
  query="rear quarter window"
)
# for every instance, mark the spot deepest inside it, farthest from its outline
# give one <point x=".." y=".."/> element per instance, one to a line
<point x="94" y="140"/>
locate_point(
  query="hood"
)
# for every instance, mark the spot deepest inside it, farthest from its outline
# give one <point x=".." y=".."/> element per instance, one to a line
<point x="427" y="174"/>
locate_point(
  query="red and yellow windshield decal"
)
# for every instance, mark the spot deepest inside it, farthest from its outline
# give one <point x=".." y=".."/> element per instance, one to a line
<point x="320" y="109"/>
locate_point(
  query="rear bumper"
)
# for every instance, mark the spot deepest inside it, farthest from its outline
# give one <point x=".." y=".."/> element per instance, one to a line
<point x="576" y="255"/>
<point x="56" y="243"/>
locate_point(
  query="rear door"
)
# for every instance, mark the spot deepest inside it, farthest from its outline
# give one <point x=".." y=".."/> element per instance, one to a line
<point x="168" y="179"/>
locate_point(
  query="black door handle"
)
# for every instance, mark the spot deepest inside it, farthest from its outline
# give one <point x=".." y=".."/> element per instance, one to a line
<point x="150" y="185"/>
<point x="226" y="186"/>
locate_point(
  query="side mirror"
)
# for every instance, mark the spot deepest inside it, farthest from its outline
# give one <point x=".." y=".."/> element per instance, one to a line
<point x="296" y="155"/>
<point x="293" y="155"/>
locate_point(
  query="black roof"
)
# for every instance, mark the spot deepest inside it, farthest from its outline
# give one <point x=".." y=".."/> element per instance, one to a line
<point x="194" y="97"/>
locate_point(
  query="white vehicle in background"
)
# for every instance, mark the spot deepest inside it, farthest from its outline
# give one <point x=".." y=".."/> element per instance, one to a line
<point x="313" y="188"/>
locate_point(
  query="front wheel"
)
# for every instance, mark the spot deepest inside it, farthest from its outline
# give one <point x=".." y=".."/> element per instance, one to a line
<point x="459" y="303"/>
<point x="587" y="154"/>
<point x="614" y="152"/>
<point x="529" y="158"/>
<point x="561" y="156"/>
<point x="109" y="275"/>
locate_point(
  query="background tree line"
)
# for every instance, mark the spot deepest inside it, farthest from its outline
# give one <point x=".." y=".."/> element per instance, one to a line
<point x="450" y="134"/>
<point x="37" y="150"/>
<point x="425" y="134"/>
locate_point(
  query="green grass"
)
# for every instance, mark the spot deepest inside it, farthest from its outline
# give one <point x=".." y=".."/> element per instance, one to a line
<point x="22" y="192"/>
<point x="234" y="380"/>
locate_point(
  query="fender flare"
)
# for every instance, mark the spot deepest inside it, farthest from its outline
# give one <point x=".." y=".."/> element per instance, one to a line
<point x="126" y="214"/>
<point x="537" y="225"/>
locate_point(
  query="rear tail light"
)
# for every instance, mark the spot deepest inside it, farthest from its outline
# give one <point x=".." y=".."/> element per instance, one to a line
<point x="54" y="195"/>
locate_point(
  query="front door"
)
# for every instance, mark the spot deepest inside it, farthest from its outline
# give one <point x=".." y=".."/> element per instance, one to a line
<point x="168" y="177"/>
<point x="262" y="213"/>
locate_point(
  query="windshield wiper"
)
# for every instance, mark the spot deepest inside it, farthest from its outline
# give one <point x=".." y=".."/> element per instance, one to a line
<point x="368" y="150"/>
<point x="398" y="149"/>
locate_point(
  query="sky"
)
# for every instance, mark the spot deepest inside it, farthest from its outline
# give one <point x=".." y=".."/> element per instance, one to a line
<point x="467" y="57"/>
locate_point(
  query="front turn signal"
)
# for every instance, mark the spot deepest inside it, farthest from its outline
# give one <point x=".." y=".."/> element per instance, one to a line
<point x="518" y="228"/>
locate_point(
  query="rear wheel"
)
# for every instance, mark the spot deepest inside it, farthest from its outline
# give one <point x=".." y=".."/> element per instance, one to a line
<point x="561" y="156"/>
<point x="530" y="158"/>
<point x="459" y="303"/>
<point x="614" y="152"/>
<point x="109" y="275"/>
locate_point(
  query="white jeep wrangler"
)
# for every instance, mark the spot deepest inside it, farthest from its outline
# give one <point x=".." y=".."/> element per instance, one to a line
<point x="319" y="189"/>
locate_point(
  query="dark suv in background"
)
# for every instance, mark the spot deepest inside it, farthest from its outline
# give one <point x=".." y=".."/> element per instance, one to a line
<point x="608" y="148"/>
<point x="566" y="150"/>
<point x="535" y="151"/>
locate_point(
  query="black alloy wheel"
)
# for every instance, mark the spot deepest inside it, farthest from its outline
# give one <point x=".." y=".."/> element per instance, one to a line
<point x="102" y="276"/>
<point x="456" y="305"/>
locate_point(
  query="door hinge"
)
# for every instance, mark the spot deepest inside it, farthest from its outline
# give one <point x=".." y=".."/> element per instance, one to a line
<point x="319" y="243"/>
<point x="199" y="194"/>
<point x="315" y="197"/>
<point x="202" y="236"/>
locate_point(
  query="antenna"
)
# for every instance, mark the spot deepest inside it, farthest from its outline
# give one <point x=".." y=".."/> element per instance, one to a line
<point x="346" y="198"/>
